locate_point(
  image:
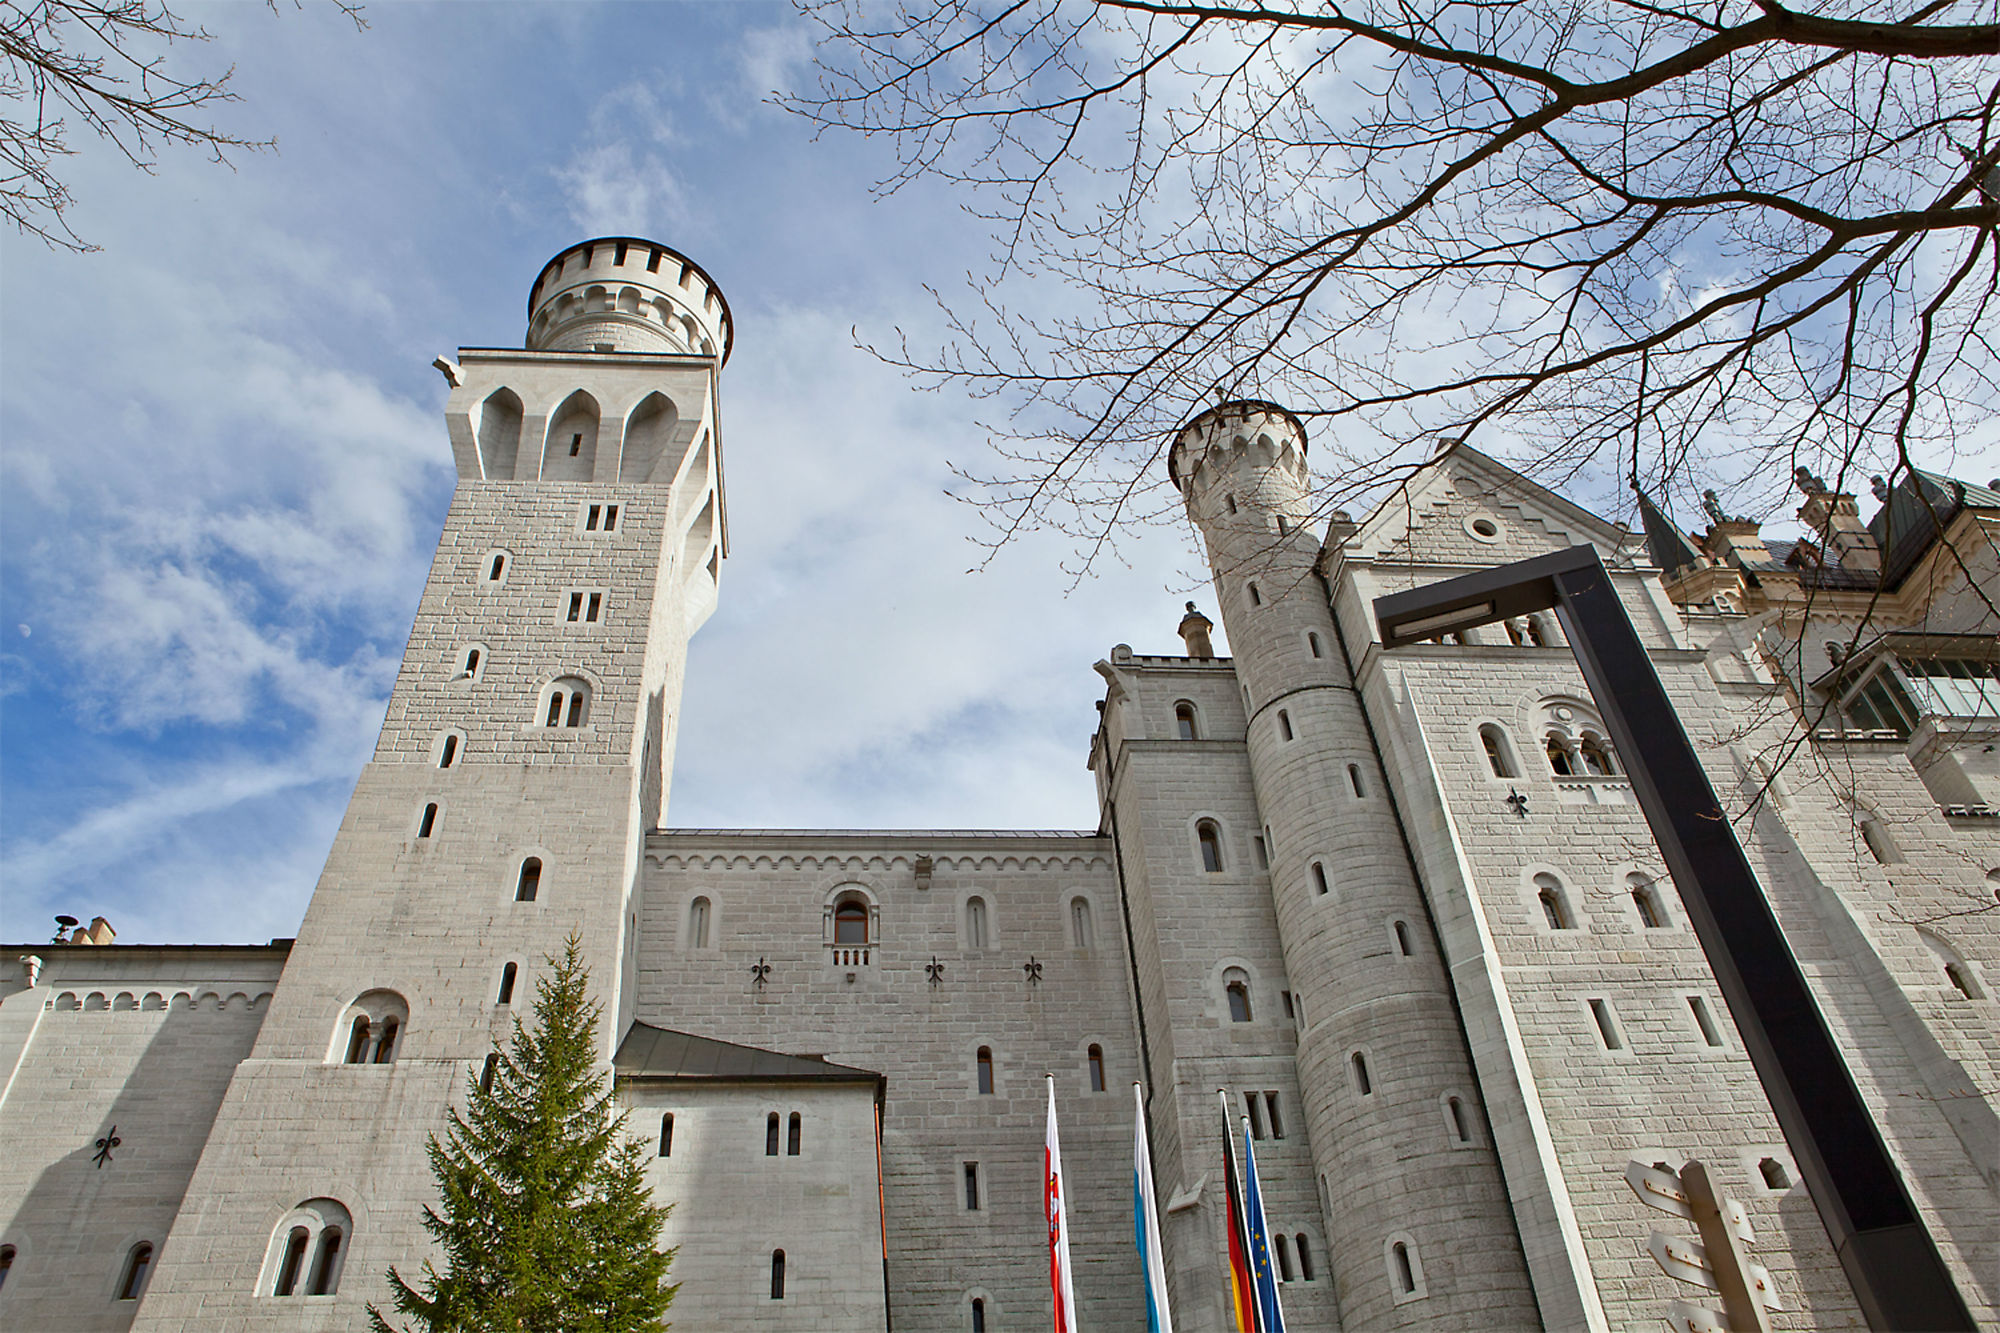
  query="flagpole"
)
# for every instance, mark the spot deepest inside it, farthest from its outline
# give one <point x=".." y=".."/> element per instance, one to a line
<point x="1062" y="1290"/>
<point x="1250" y="1165"/>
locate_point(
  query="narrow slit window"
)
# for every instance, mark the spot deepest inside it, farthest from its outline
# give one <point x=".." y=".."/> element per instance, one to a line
<point x="611" y="518"/>
<point x="591" y="610"/>
<point x="326" y="1264"/>
<point x="575" y="710"/>
<point x="487" y="1071"/>
<point x="1454" y="1110"/>
<point x="1354" y="780"/>
<point x="1271" y="1117"/>
<point x="1403" y="938"/>
<point x="1320" y="885"/>
<point x="1956" y="976"/>
<point x="1774" y="1174"/>
<point x="1305" y="1258"/>
<point x="1284" y="724"/>
<point x="978" y="1315"/>
<point x="972" y="1187"/>
<point x="1554" y="903"/>
<point x="6" y="1263"/>
<point x="1082" y="929"/>
<point x="1284" y="1258"/>
<point x="1184" y="722"/>
<point x="975" y="923"/>
<point x="449" y="752"/>
<point x="471" y="661"/>
<point x="137" y="1265"/>
<point x="1499" y="757"/>
<point x="496" y="569"/>
<point x="985" y="1062"/>
<point x="1256" y="598"/>
<point x="555" y="709"/>
<point x="590" y="517"/>
<point x="1406" y="1277"/>
<point x="385" y="1049"/>
<point x="1704" y="1020"/>
<point x="507" y="975"/>
<point x="777" y="1275"/>
<point x="576" y="444"/>
<point x="1647" y="904"/>
<point x="357" y="1040"/>
<point x="575" y="607"/>
<point x="1607" y="1025"/>
<point x="530" y="882"/>
<point x="1262" y="849"/>
<point x="667" y="1134"/>
<point x="698" y="914"/>
<point x="1097" y="1069"/>
<point x="1358" y="1064"/>
<point x="1237" y="992"/>
<point x="1312" y="645"/>
<point x="771" y="1135"/>
<point x="1284" y="528"/>
<point x="429" y="822"/>
<point x="1254" y="1114"/>
<point x="794" y="1130"/>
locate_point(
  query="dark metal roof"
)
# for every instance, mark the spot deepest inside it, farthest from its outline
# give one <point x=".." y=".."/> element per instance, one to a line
<point x="1669" y="547"/>
<point x="650" y="1052"/>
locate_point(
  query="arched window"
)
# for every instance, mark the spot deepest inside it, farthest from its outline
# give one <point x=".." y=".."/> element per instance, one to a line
<point x="1554" y="902"/>
<point x="1256" y="598"/>
<point x="308" y="1250"/>
<point x="771" y="1134"/>
<point x="1284" y="528"/>
<point x="487" y="1070"/>
<point x="1607" y="1025"/>
<point x="777" y="1275"/>
<point x="1305" y="1257"/>
<point x="975" y="923"/>
<point x="1184" y="722"/>
<point x="1454" y="1111"/>
<point x="1646" y="902"/>
<point x="794" y="1128"/>
<point x="1354" y="780"/>
<point x="1704" y="1023"/>
<point x="1403" y="1269"/>
<point x="297" y="1241"/>
<point x="667" y="1134"/>
<point x="1357" y="1064"/>
<point x="369" y="1028"/>
<point x="1499" y="754"/>
<point x="1957" y="972"/>
<point x="698" y="911"/>
<point x="1284" y="1248"/>
<point x="1401" y="929"/>
<point x="978" y="1315"/>
<point x="1535" y="635"/>
<point x="1774" y="1174"/>
<point x="1209" y="838"/>
<point x="1096" y="1057"/>
<point x="138" y="1263"/>
<point x="470" y="666"/>
<point x="1956" y="976"/>
<point x="496" y="567"/>
<point x="567" y="704"/>
<point x="1319" y="878"/>
<point x="448" y="751"/>
<point x="529" y="882"/>
<point x="1284" y="724"/>
<point x="850" y="921"/>
<point x="326" y="1264"/>
<point x="1082" y="930"/>
<point x="1312" y="644"/>
<point x="6" y="1263"/>
<point x="1559" y="760"/>
<point x="1597" y="758"/>
<point x="985" y="1063"/>
<point x="1880" y="845"/>
<point x="428" y="824"/>
<point x="1236" y="989"/>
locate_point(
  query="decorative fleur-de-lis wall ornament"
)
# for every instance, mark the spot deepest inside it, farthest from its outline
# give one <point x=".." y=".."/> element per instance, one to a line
<point x="1034" y="971"/>
<point x="104" y="1147"/>
<point x="935" y="971"/>
<point x="759" y="970"/>
<point x="1517" y="802"/>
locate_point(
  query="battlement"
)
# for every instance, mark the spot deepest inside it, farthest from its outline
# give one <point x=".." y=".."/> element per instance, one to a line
<point x="1228" y="435"/>
<point x="626" y="294"/>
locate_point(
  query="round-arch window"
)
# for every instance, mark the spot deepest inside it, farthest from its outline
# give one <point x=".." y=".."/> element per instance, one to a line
<point x="850" y="923"/>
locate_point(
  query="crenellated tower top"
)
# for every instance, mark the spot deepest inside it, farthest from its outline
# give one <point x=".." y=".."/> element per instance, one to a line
<point x="1231" y="436"/>
<point x="627" y="294"/>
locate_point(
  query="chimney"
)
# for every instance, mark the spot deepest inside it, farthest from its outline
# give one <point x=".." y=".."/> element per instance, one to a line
<point x="99" y="931"/>
<point x="1194" y="632"/>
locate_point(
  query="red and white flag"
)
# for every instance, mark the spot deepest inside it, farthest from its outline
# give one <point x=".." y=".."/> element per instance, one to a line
<point x="1060" y="1285"/>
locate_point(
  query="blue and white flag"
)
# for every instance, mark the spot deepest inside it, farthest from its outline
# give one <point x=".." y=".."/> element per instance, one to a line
<point x="1146" y="1223"/>
<point x="1270" y="1313"/>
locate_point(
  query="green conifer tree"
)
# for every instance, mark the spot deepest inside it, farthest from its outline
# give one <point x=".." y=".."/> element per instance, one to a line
<point x="544" y="1216"/>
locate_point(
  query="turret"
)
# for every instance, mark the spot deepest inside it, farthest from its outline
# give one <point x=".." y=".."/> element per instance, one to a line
<point x="1383" y="1064"/>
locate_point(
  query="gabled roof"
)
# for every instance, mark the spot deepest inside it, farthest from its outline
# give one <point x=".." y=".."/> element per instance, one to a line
<point x="1917" y="513"/>
<point x="650" y="1052"/>
<point x="1392" y="521"/>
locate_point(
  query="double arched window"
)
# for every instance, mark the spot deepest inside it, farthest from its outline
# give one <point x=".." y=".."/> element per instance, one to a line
<point x="308" y="1250"/>
<point x="371" y="1028"/>
<point x="1574" y="740"/>
<point x="566" y="702"/>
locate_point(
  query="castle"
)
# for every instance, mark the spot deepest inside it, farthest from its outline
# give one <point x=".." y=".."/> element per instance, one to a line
<point x="1399" y="905"/>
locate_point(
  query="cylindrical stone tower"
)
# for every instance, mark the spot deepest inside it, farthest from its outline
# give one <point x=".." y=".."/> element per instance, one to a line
<point x="1417" y="1217"/>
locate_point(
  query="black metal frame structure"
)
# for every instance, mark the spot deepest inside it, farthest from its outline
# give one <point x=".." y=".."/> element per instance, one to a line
<point x="1898" y="1275"/>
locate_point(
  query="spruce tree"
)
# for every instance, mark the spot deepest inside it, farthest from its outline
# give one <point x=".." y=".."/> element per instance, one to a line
<point x="543" y="1215"/>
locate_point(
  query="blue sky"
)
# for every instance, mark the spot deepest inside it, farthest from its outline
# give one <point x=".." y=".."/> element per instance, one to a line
<point x="223" y="465"/>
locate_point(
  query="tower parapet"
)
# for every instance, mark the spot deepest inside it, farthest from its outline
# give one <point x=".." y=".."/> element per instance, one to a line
<point x="627" y="294"/>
